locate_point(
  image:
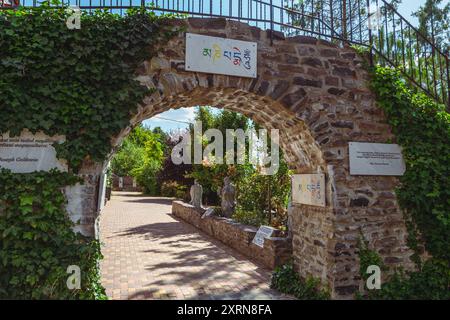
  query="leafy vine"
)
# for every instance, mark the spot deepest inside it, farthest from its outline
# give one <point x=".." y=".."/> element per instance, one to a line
<point x="76" y="83"/>
<point x="422" y="128"/>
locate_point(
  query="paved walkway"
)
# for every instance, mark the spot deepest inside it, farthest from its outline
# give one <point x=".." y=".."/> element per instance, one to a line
<point x="149" y="254"/>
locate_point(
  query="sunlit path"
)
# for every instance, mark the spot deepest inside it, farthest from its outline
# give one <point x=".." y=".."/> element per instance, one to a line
<point x="148" y="254"/>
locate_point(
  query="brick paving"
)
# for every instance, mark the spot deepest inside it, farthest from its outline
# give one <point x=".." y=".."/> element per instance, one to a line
<point x="150" y="254"/>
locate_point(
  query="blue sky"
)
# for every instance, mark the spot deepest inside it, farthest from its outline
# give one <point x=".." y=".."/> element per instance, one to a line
<point x="187" y="114"/>
<point x="409" y="6"/>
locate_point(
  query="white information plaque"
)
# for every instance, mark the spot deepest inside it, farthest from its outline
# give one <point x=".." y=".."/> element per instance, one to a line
<point x="262" y="233"/>
<point x="28" y="153"/>
<point x="309" y="189"/>
<point x="376" y="159"/>
<point x="221" y="56"/>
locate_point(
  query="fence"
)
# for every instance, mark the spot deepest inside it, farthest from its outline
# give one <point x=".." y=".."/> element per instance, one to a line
<point x="373" y="24"/>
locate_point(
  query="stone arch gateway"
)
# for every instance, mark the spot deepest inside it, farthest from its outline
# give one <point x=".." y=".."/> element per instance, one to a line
<point x="316" y="94"/>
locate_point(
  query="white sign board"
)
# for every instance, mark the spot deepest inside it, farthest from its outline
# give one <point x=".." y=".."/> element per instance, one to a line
<point x="376" y="159"/>
<point x="28" y="153"/>
<point x="308" y="189"/>
<point x="221" y="56"/>
<point x="262" y="233"/>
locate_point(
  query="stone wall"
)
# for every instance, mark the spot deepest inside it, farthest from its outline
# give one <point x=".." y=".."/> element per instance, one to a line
<point x="316" y="93"/>
<point x="276" y="252"/>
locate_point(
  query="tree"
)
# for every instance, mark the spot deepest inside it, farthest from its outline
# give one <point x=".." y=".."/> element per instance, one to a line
<point x="345" y="19"/>
<point x="141" y="156"/>
<point x="146" y="173"/>
<point x="211" y="175"/>
<point x="434" y="23"/>
<point x="171" y="174"/>
<point x="128" y="158"/>
<point x="261" y="199"/>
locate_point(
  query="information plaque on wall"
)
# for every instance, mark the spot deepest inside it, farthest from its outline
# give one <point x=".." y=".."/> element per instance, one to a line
<point x="376" y="159"/>
<point x="262" y="233"/>
<point x="29" y="153"/>
<point x="221" y="56"/>
<point x="308" y="189"/>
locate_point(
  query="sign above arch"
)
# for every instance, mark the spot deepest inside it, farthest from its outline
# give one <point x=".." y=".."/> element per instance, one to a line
<point x="221" y="56"/>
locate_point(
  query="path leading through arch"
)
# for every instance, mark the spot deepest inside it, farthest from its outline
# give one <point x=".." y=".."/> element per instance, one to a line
<point x="149" y="254"/>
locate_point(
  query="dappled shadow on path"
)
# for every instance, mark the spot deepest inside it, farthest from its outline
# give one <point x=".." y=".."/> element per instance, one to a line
<point x="177" y="260"/>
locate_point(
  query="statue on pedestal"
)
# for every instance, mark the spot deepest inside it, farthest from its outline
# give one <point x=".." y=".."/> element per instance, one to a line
<point x="228" y="198"/>
<point x="196" y="194"/>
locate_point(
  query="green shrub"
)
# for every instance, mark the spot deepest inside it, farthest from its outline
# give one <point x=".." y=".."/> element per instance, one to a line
<point x="422" y="128"/>
<point x="37" y="241"/>
<point x="254" y="191"/>
<point x="76" y="83"/>
<point x="251" y="218"/>
<point x="146" y="178"/>
<point x="431" y="282"/>
<point x="287" y="281"/>
<point x="368" y="257"/>
<point x="173" y="189"/>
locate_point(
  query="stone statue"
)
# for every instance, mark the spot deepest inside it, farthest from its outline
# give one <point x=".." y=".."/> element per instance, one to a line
<point x="196" y="194"/>
<point x="228" y="200"/>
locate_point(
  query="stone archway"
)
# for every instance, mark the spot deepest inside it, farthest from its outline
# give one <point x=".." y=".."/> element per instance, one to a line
<point x="316" y="94"/>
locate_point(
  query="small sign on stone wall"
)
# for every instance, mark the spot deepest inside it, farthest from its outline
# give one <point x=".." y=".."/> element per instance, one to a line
<point x="221" y="56"/>
<point x="376" y="159"/>
<point x="308" y="189"/>
<point x="262" y="233"/>
<point x="30" y="152"/>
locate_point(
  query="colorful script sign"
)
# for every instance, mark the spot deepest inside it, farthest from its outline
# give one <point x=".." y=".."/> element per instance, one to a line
<point x="221" y="56"/>
<point x="308" y="189"/>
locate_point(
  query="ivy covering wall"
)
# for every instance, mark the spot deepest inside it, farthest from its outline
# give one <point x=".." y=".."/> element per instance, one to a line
<point x="78" y="83"/>
<point x="422" y="128"/>
<point x="37" y="241"/>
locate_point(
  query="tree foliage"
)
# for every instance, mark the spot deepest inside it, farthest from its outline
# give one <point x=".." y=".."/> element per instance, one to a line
<point x="287" y="280"/>
<point x="422" y="128"/>
<point x="211" y="175"/>
<point x="127" y="159"/>
<point x="343" y="18"/>
<point x="37" y="242"/>
<point x="261" y="199"/>
<point x="434" y="23"/>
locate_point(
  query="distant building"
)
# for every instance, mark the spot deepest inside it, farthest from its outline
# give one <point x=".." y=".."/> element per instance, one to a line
<point x="9" y="3"/>
<point x="124" y="184"/>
